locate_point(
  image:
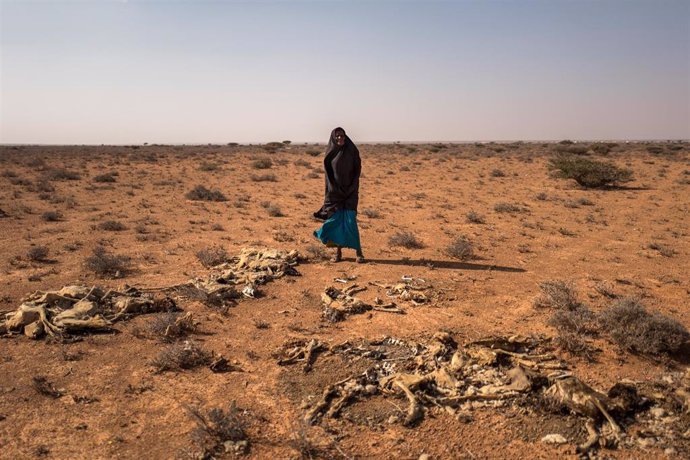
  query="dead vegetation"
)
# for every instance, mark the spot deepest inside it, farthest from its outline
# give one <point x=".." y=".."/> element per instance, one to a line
<point x="171" y="326"/>
<point x="210" y="257"/>
<point x="106" y="264"/>
<point x="219" y="431"/>
<point x="634" y="329"/>
<point x="37" y="254"/>
<point x="181" y="356"/>
<point x="405" y="240"/>
<point x="112" y="226"/>
<point x="460" y="248"/>
<point x="201" y="193"/>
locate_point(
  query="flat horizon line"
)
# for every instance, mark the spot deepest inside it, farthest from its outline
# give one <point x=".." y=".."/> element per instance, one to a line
<point x="417" y="142"/>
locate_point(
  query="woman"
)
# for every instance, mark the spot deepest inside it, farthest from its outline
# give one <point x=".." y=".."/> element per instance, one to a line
<point x="343" y="167"/>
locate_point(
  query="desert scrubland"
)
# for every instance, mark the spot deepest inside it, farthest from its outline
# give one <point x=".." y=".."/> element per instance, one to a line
<point x="498" y="295"/>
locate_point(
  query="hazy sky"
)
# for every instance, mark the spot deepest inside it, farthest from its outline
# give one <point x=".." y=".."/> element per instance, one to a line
<point x="197" y="72"/>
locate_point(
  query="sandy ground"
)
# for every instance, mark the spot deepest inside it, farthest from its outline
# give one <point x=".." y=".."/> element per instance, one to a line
<point x="116" y="406"/>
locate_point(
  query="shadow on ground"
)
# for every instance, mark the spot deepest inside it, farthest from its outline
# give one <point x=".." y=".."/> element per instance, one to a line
<point x="445" y="264"/>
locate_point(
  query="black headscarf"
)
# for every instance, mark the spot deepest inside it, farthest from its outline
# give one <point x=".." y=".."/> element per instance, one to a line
<point x="343" y="168"/>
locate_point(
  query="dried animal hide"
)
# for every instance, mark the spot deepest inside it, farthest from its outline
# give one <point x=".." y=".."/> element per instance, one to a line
<point x="584" y="400"/>
<point x="78" y="309"/>
<point x="251" y="268"/>
<point x="435" y="374"/>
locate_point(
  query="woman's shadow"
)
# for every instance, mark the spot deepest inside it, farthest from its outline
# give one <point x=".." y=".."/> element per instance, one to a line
<point x="446" y="264"/>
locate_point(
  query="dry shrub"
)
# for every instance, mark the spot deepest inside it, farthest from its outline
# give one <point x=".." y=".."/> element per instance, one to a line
<point x="371" y="213"/>
<point x="210" y="257"/>
<point x="112" y="226"/>
<point x="497" y="173"/>
<point x="575" y="344"/>
<point x="509" y="208"/>
<point x="634" y="329"/>
<point x="264" y="178"/>
<point x="578" y="321"/>
<point x="207" y="166"/>
<point x="557" y="294"/>
<point x="662" y="249"/>
<point x="44" y="387"/>
<point x="588" y="173"/>
<point x="572" y="319"/>
<point x="51" y="216"/>
<point x="460" y="248"/>
<point x="180" y="356"/>
<point x="305" y="447"/>
<point x="262" y="163"/>
<point x="201" y="193"/>
<point x="474" y="218"/>
<point x="220" y="432"/>
<point x="61" y="174"/>
<point x="303" y="163"/>
<point x="107" y="177"/>
<point x="168" y="327"/>
<point x="37" y="253"/>
<point x="317" y="252"/>
<point x="405" y="239"/>
<point x="273" y="210"/>
<point x="104" y="263"/>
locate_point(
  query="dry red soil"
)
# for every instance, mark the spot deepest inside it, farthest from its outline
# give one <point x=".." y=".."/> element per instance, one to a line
<point x="633" y="239"/>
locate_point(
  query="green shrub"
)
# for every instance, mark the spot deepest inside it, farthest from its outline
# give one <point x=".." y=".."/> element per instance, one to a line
<point x="588" y="173"/>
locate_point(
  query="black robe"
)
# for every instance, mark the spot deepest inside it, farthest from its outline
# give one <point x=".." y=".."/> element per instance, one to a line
<point x="343" y="168"/>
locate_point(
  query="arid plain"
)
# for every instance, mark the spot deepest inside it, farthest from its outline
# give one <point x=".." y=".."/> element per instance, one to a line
<point x="482" y="233"/>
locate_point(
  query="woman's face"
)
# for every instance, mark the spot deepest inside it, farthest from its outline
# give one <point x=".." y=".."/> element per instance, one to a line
<point x="340" y="138"/>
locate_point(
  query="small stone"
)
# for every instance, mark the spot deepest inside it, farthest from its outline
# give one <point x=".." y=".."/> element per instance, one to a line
<point x="646" y="442"/>
<point x="670" y="451"/>
<point x="657" y="412"/>
<point x="393" y="419"/>
<point x="424" y="457"/>
<point x="554" y="438"/>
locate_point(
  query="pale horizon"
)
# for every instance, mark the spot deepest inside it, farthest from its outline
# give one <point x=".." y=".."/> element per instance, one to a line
<point x="196" y="73"/>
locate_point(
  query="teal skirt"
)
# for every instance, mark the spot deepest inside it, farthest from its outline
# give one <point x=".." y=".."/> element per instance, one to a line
<point x="340" y="230"/>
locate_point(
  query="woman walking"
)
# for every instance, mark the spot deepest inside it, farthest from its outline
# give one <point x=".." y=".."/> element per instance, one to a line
<point x="342" y="166"/>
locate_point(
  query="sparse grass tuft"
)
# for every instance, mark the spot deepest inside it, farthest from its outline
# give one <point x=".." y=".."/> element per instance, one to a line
<point x="112" y="226"/>
<point x="262" y="163"/>
<point x="474" y="218"/>
<point x="207" y="166"/>
<point x="61" y="174"/>
<point x="662" y="249"/>
<point x="371" y="213"/>
<point x="273" y="210"/>
<point x="634" y="329"/>
<point x="51" y="216"/>
<point x="103" y="263"/>
<point x="508" y="207"/>
<point x="317" y="252"/>
<point x="201" y="193"/>
<point x="264" y="178"/>
<point x="588" y="173"/>
<point x="107" y="177"/>
<point x="210" y="257"/>
<point x="405" y="239"/>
